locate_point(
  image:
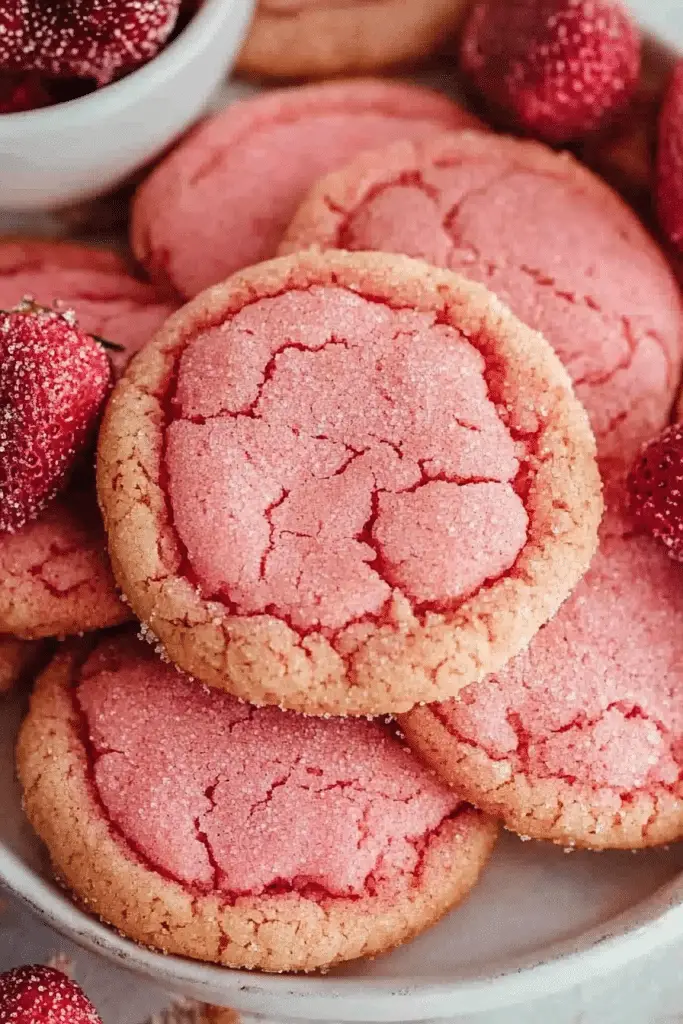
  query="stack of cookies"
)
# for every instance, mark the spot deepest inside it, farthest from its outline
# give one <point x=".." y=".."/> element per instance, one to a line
<point x="350" y="599"/>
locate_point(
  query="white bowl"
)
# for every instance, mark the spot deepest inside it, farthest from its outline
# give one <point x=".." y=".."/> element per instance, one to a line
<point x="539" y="922"/>
<point x="73" y="151"/>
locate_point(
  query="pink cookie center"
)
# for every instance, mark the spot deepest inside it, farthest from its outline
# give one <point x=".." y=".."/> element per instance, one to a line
<point x="327" y="450"/>
<point x="597" y="699"/>
<point x="581" y="274"/>
<point x="224" y="796"/>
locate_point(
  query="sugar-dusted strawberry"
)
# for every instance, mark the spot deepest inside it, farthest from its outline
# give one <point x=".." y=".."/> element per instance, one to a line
<point x="94" y="39"/>
<point x="43" y="995"/>
<point x="655" y="489"/>
<point x="670" y="161"/>
<point x="53" y="382"/>
<point x="557" y="69"/>
<point x="22" y="91"/>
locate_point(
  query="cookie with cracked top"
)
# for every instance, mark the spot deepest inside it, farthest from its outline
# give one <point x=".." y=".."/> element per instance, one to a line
<point x="579" y="740"/>
<point x="552" y="240"/>
<point x="311" y="38"/>
<point x="253" y="838"/>
<point x="346" y="483"/>
<point x="221" y="200"/>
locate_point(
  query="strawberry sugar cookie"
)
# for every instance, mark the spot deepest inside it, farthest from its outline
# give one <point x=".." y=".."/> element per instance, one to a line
<point x="223" y="198"/>
<point x="55" y="577"/>
<point x="580" y="739"/>
<point x="250" y="837"/>
<point x="308" y="38"/>
<point x="548" y="237"/>
<point x="346" y="483"/>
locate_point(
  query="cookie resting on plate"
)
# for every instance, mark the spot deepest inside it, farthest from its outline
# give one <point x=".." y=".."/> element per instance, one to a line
<point x="346" y="484"/>
<point x="250" y="837"/>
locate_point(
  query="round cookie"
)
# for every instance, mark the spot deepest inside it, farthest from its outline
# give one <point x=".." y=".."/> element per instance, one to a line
<point x="17" y="657"/>
<point x="549" y="238"/>
<point x="223" y="198"/>
<point x="55" y="577"/>
<point x="580" y="739"/>
<point x="203" y="827"/>
<point x="108" y="301"/>
<point x="309" y="38"/>
<point x="346" y="483"/>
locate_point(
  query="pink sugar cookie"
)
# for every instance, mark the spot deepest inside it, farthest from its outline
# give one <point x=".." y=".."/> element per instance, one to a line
<point x="346" y="484"/>
<point x="580" y="739"/>
<point x="253" y="838"/>
<point x="17" y="657"/>
<point x="55" y="577"/>
<point x="223" y="198"/>
<point x="548" y="237"/>
<point x="93" y="282"/>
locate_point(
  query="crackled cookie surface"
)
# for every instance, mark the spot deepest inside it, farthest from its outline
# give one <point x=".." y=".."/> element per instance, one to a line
<point x="305" y="38"/>
<point x="346" y="484"/>
<point x="222" y="200"/>
<point x="55" y="577"/>
<point x="94" y="283"/>
<point x="252" y="837"/>
<point x="580" y="739"/>
<point x="548" y="237"/>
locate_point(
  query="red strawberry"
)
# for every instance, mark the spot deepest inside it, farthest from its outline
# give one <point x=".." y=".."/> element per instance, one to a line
<point x="670" y="161"/>
<point x="559" y="69"/>
<point x="656" y="489"/>
<point x="43" y="995"/>
<point x="83" y="38"/>
<point x="53" y="381"/>
<point x="22" y="92"/>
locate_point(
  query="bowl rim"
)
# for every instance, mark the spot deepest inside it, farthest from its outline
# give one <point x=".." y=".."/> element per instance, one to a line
<point x="647" y="926"/>
<point x="188" y="46"/>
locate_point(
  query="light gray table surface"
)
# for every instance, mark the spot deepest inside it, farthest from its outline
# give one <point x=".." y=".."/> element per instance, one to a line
<point x="648" y="992"/>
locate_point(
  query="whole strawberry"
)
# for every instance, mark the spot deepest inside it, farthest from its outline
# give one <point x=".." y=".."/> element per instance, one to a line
<point x="557" y="69"/>
<point x="53" y="382"/>
<point x="43" y="995"/>
<point x="95" y="39"/>
<point x="670" y="161"/>
<point x="656" y="489"/>
<point x="22" y="92"/>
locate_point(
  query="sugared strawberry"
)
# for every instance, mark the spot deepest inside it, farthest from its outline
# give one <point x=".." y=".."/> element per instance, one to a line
<point x="94" y="39"/>
<point x="656" y="489"/>
<point x="670" y="161"/>
<point x="43" y="995"/>
<point x="53" y="382"/>
<point x="22" y="92"/>
<point x="557" y="69"/>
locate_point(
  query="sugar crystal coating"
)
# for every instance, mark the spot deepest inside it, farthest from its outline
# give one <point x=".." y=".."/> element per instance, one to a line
<point x="326" y="448"/>
<point x="224" y="796"/>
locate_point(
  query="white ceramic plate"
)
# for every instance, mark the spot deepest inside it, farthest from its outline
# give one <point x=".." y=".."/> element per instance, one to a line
<point x="540" y="921"/>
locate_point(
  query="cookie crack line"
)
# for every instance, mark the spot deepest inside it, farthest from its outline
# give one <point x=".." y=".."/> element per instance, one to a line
<point x="301" y="885"/>
<point x="378" y="564"/>
<point x="581" y="721"/>
<point x="415" y="178"/>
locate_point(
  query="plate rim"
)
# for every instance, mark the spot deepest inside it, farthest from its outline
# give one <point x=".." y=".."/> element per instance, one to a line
<point x="647" y="926"/>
